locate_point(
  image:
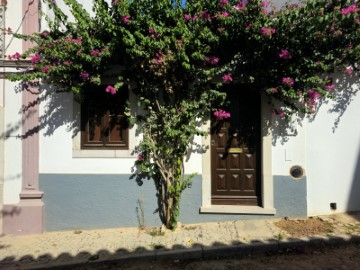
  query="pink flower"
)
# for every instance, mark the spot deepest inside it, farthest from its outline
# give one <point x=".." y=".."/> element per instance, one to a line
<point x="45" y="34"/>
<point x="264" y="6"/>
<point x="240" y="6"/>
<point x="351" y="9"/>
<point x="349" y="70"/>
<point x="249" y="26"/>
<point x="224" y="1"/>
<point x="140" y="157"/>
<point x="68" y="62"/>
<point x="267" y="31"/>
<point x="313" y="94"/>
<point x="110" y="89"/>
<point x="285" y="54"/>
<point x="278" y="112"/>
<point x="221" y="114"/>
<point x="14" y="56"/>
<point x="84" y="75"/>
<point x="187" y="16"/>
<point x="78" y="41"/>
<point x="330" y="87"/>
<point x="151" y="31"/>
<point x="288" y="81"/>
<point x="223" y="14"/>
<point x="227" y="78"/>
<point x="95" y="53"/>
<point x="213" y="60"/>
<point x="195" y="17"/>
<point x="180" y="42"/>
<point x="272" y="90"/>
<point x="205" y="15"/>
<point x="35" y="59"/>
<point x="45" y="69"/>
<point x="159" y="58"/>
<point x="125" y="18"/>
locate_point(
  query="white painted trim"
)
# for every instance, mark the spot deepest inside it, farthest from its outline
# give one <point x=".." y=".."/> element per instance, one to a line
<point x="77" y="152"/>
<point x="2" y="167"/>
<point x="238" y="209"/>
<point x="267" y="181"/>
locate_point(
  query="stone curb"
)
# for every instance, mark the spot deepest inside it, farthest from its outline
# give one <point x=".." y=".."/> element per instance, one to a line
<point x="202" y="252"/>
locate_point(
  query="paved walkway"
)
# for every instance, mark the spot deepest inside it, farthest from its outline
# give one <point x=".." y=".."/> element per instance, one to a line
<point x="189" y="241"/>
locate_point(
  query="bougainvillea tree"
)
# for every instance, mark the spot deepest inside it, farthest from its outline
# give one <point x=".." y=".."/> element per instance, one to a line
<point x="179" y="58"/>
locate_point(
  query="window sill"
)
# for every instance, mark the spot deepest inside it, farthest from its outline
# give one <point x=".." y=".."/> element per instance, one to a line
<point x="235" y="209"/>
<point x="77" y="153"/>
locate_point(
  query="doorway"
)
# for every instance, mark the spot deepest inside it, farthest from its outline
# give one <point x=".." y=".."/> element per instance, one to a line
<point x="236" y="150"/>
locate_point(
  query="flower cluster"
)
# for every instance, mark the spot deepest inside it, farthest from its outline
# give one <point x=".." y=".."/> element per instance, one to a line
<point x="330" y="87"/>
<point x="278" y="112"/>
<point x="125" y="19"/>
<point x="285" y="54"/>
<point x="15" y="56"/>
<point x="110" y="89"/>
<point x="350" y="9"/>
<point x="287" y="81"/>
<point x="227" y="78"/>
<point x="267" y="31"/>
<point x="95" y="53"/>
<point x="36" y="59"/>
<point x="84" y="75"/>
<point x="213" y="60"/>
<point x="221" y="114"/>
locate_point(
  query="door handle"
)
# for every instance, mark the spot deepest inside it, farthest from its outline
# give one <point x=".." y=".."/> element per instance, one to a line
<point x="212" y="142"/>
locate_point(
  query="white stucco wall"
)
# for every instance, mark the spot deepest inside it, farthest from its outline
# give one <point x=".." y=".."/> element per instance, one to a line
<point x="333" y="153"/>
<point x="11" y="102"/>
<point x="57" y="155"/>
<point x="327" y="146"/>
<point x="12" y="145"/>
<point x="288" y="145"/>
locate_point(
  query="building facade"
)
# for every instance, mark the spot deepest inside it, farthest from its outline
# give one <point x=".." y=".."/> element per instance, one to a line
<point x="49" y="181"/>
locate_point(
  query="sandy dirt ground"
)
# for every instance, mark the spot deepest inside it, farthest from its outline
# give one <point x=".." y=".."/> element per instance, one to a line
<point x="323" y="257"/>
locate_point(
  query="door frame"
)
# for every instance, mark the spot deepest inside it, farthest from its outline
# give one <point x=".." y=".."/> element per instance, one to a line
<point x="267" y="193"/>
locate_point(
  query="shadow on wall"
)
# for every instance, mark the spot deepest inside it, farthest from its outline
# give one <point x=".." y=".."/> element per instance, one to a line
<point x="347" y="87"/>
<point x="57" y="112"/>
<point x="11" y="211"/>
<point x="354" y="197"/>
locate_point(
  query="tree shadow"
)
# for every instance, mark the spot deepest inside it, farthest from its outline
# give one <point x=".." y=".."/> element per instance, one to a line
<point x="347" y="87"/>
<point x="353" y="203"/>
<point x="56" y="110"/>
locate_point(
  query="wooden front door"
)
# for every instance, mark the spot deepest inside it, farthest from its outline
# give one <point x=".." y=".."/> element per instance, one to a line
<point x="235" y="151"/>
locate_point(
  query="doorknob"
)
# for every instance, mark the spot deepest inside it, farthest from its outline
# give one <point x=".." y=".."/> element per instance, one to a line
<point x="212" y="142"/>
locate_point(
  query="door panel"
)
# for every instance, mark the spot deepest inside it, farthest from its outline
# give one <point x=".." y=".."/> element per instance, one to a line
<point x="235" y="151"/>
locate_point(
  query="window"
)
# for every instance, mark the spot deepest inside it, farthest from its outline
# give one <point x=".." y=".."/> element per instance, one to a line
<point x="103" y="123"/>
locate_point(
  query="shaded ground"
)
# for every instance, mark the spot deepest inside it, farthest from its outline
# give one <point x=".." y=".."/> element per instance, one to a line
<point x="323" y="257"/>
